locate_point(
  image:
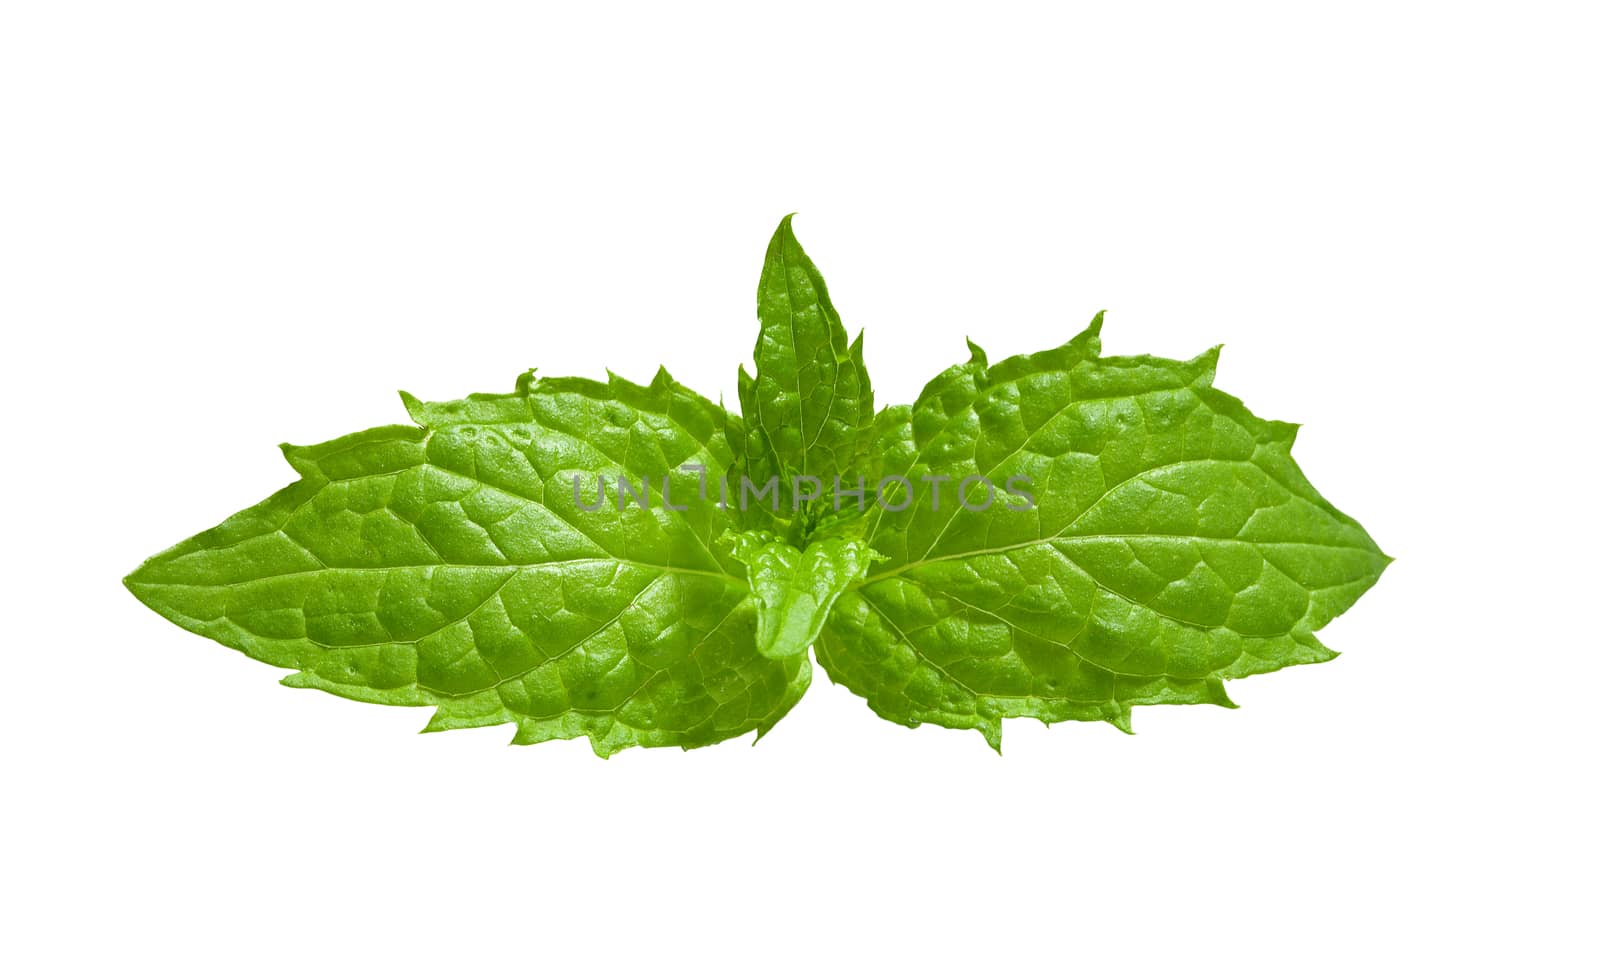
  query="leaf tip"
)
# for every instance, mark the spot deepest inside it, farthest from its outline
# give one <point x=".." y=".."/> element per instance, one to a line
<point x="782" y="237"/>
<point x="1205" y="365"/>
<point x="1090" y="337"/>
<point x="977" y="356"/>
<point x="294" y="454"/>
<point x="747" y="390"/>
<point x="135" y="584"/>
<point x="991" y="735"/>
<point x="1287" y="431"/>
<point x="413" y="406"/>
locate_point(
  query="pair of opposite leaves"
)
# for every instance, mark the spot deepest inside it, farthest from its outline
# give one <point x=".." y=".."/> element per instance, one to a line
<point x="1172" y="544"/>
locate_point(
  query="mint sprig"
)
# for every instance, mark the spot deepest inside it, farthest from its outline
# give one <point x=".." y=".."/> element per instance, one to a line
<point x="1059" y="536"/>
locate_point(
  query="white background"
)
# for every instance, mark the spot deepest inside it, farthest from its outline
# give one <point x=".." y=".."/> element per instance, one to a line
<point x="228" y="225"/>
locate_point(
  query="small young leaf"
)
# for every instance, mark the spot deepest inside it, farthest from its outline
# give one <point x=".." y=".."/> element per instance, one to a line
<point x="810" y="400"/>
<point x="794" y="591"/>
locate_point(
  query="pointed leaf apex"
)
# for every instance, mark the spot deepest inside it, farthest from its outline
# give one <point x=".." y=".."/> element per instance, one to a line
<point x="413" y="406"/>
<point x="978" y="356"/>
<point x="1206" y="364"/>
<point x="1089" y="338"/>
<point x="783" y="235"/>
<point x="991" y="735"/>
<point x="1219" y="690"/>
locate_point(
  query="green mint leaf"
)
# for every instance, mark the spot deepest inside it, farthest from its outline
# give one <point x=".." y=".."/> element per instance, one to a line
<point x="795" y="590"/>
<point x="449" y="565"/>
<point x="1173" y="544"/>
<point x="1058" y="536"/>
<point x="810" y="401"/>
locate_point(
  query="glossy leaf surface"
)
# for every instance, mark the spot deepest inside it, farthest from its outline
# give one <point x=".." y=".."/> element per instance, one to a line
<point x="1057" y="536"/>
<point x="453" y="565"/>
<point x="1173" y="544"/>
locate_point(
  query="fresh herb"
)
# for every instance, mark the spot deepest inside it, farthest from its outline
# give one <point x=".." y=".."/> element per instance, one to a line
<point x="1059" y="536"/>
